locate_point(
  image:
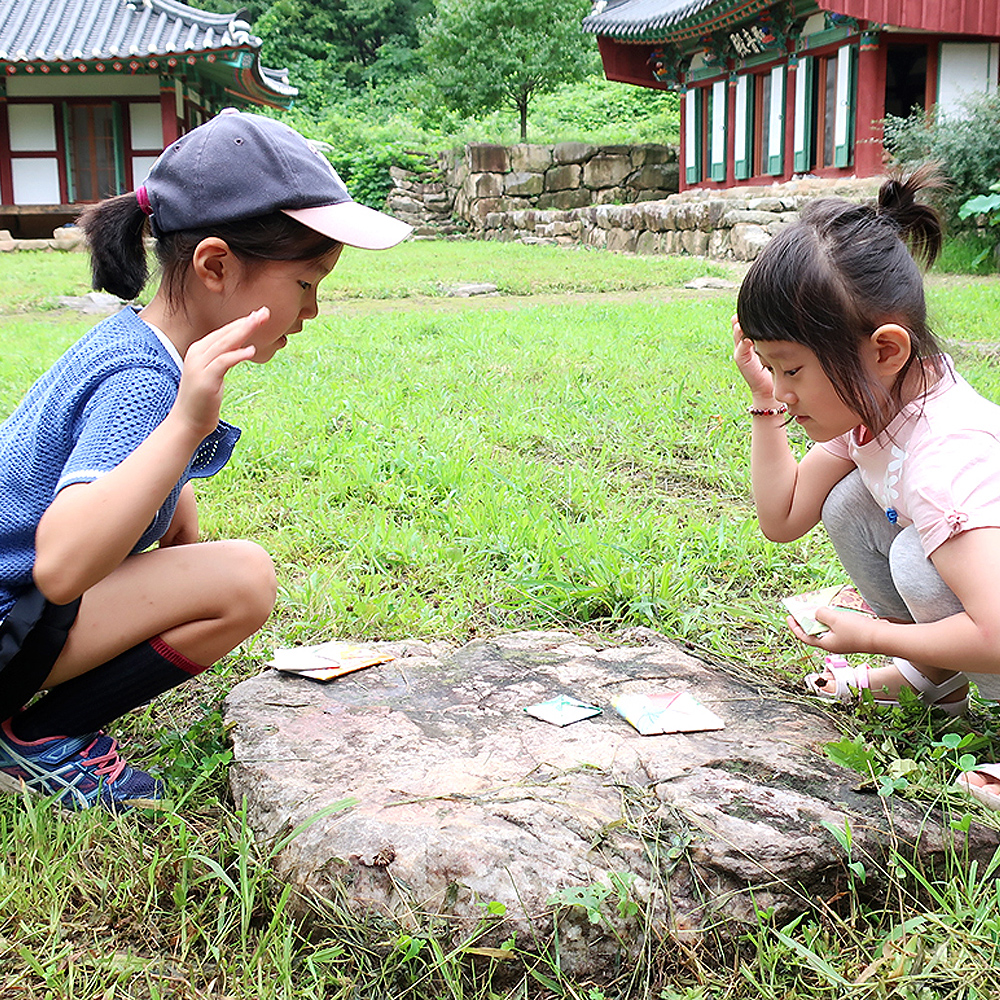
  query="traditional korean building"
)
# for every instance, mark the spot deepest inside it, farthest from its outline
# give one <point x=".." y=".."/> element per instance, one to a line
<point x="92" y="90"/>
<point x="771" y="90"/>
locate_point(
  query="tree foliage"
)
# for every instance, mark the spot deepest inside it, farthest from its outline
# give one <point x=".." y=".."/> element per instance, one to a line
<point x="483" y="54"/>
<point x="329" y="44"/>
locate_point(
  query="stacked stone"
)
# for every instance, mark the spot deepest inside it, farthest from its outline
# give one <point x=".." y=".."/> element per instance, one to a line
<point x="424" y="200"/>
<point x="490" y="178"/>
<point x="63" y="238"/>
<point x="725" y="224"/>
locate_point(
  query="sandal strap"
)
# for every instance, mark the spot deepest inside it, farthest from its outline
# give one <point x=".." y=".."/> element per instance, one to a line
<point x="848" y="680"/>
<point x="929" y="692"/>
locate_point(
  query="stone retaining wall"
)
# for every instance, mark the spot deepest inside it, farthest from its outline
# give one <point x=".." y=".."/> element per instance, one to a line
<point x="621" y="198"/>
<point x="460" y="188"/>
<point x="63" y="238"/>
<point x="729" y="224"/>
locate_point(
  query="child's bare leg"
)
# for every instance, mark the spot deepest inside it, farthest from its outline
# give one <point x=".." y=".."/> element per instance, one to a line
<point x="202" y="599"/>
<point x="157" y="621"/>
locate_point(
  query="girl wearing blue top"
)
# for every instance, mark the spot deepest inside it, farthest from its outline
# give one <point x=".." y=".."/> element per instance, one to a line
<point x="107" y="598"/>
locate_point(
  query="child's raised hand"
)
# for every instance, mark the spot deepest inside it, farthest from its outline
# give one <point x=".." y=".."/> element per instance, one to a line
<point x="754" y="373"/>
<point x="207" y="362"/>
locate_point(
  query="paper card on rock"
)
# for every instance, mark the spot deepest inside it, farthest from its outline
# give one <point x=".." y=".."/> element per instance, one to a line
<point x="666" y="712"/>
<point x="802" y="607"/>
<point x="328" y="660"/>
<point x="562" y="710"/>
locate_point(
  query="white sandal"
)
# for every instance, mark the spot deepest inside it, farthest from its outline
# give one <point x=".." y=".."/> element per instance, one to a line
<point x="989" y="799"/>
<point x="851" y="681"/>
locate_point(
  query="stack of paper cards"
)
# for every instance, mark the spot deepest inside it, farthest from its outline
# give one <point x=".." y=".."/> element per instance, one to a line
<point x="666" y="712"/>
<point x="802" y="607"/>
<point x="327" y="660"/>
<point x="562" y="710"/>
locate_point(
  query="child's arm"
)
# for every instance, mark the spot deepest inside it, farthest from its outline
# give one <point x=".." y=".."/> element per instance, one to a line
<point x="90" y="528"/>
<point x="788" y="494"/>
<point x="183" y="528"/>
<point x="969" y="563"/>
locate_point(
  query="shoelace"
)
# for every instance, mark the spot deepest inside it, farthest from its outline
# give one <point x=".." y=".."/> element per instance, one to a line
<point x="108" y="764"/>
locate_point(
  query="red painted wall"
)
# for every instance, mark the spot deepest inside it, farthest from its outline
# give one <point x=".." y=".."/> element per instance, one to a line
<point x="964" y="17"/>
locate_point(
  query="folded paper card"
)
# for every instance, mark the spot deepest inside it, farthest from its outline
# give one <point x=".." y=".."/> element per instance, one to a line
<point x="562" y="710"/>
<point x="666" y="712"/>
<point x="802" y="607"/>
<point x="327" y="660"/>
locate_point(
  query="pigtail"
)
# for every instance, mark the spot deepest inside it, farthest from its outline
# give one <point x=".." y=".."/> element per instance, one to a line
<point x="918" y="224"/>
<point x="115" y="229"/>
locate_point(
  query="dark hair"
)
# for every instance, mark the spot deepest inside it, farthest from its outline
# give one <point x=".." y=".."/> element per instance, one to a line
<point x="117" y="227"/>
<point x="832" y="278"/>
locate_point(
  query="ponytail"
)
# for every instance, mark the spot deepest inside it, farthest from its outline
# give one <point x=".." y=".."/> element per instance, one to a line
<point x="115" y="229"/>
<point x="918" y="224"/>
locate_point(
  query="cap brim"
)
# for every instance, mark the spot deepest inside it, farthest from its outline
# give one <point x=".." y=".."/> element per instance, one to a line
<point x="353" y="224"/>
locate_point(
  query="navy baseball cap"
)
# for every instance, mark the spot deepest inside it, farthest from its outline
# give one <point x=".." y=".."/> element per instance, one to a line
<point x="240" y="165"/>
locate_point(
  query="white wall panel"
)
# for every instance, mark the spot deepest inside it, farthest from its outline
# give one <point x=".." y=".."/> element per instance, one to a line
<point x="36" y="181"/>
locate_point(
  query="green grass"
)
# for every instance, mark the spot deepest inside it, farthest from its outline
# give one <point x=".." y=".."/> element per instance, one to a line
<point x="571" y="453"/>
<point x="431" y="268"/>
<point x="963" y="254"/>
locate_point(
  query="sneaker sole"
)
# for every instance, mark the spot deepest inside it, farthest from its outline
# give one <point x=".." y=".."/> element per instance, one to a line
<point x="15" y="786"/>
<point x="12" y="785"/>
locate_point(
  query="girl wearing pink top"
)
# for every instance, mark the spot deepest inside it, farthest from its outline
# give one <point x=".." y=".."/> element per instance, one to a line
<point x="831" y="333"/>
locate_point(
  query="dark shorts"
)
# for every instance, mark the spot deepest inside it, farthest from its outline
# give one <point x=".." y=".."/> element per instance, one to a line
<point x="31" y="638"/>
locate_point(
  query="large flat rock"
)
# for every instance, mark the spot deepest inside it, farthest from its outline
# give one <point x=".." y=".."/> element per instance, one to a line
<point x="464" y="800"/>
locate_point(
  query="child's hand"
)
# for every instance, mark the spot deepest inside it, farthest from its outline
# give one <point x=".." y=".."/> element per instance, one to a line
<point x="206" y="365"/>
<point x="754" y="373"/>
<point x="849" y="631"/>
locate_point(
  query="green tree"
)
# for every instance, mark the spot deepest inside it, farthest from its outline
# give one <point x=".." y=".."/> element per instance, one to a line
<point x="485" y="54"/>
<point x="325" y="43"/>
<point x="352" y="41"/>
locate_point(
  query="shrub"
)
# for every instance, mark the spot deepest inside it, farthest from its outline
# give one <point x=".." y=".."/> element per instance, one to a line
<point x="965" y="144"/>
<point x="362" y="148"/>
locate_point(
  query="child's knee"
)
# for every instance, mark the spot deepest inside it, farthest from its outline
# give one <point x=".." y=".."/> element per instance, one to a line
<point x="254" y="586"/>
<point x="844" y="502"/>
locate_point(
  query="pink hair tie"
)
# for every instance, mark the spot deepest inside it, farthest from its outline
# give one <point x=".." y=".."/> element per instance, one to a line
<point x="142" y="197"/>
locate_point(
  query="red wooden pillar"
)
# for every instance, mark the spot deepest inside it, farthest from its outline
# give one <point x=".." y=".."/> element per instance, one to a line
<point x="6" y="171"/>
<point x="168" y="112"/>
<point x="868" y="149"/>
<point x="788" y="123"/>
<point x="930" y="87"/>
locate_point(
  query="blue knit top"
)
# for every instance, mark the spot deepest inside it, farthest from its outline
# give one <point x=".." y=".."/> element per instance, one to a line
<point x="88" y="413"/>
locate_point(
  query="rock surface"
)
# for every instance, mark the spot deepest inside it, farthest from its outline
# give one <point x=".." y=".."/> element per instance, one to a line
<point x="93" y="303"/>
<point x="463" y="800"/>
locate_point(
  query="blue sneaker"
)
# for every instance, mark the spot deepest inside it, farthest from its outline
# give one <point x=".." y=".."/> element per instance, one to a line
<point x="82" y="771"/>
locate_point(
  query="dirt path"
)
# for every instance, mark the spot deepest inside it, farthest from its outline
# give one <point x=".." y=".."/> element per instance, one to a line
<point x="655" y="294"/>
<point x="436" y="303"/>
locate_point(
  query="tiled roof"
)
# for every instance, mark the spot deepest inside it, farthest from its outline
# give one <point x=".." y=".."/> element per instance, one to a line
<point x="56" y="30"/>
<point x="640" y="17"/>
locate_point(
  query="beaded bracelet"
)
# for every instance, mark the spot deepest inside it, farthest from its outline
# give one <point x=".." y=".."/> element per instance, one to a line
<point x="771" y="412"/>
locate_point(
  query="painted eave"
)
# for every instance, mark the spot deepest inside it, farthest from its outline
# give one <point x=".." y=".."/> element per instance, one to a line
<point x="635" y="18"/>
<point x="92" y="32"/>
<point x="682" y="20"/>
